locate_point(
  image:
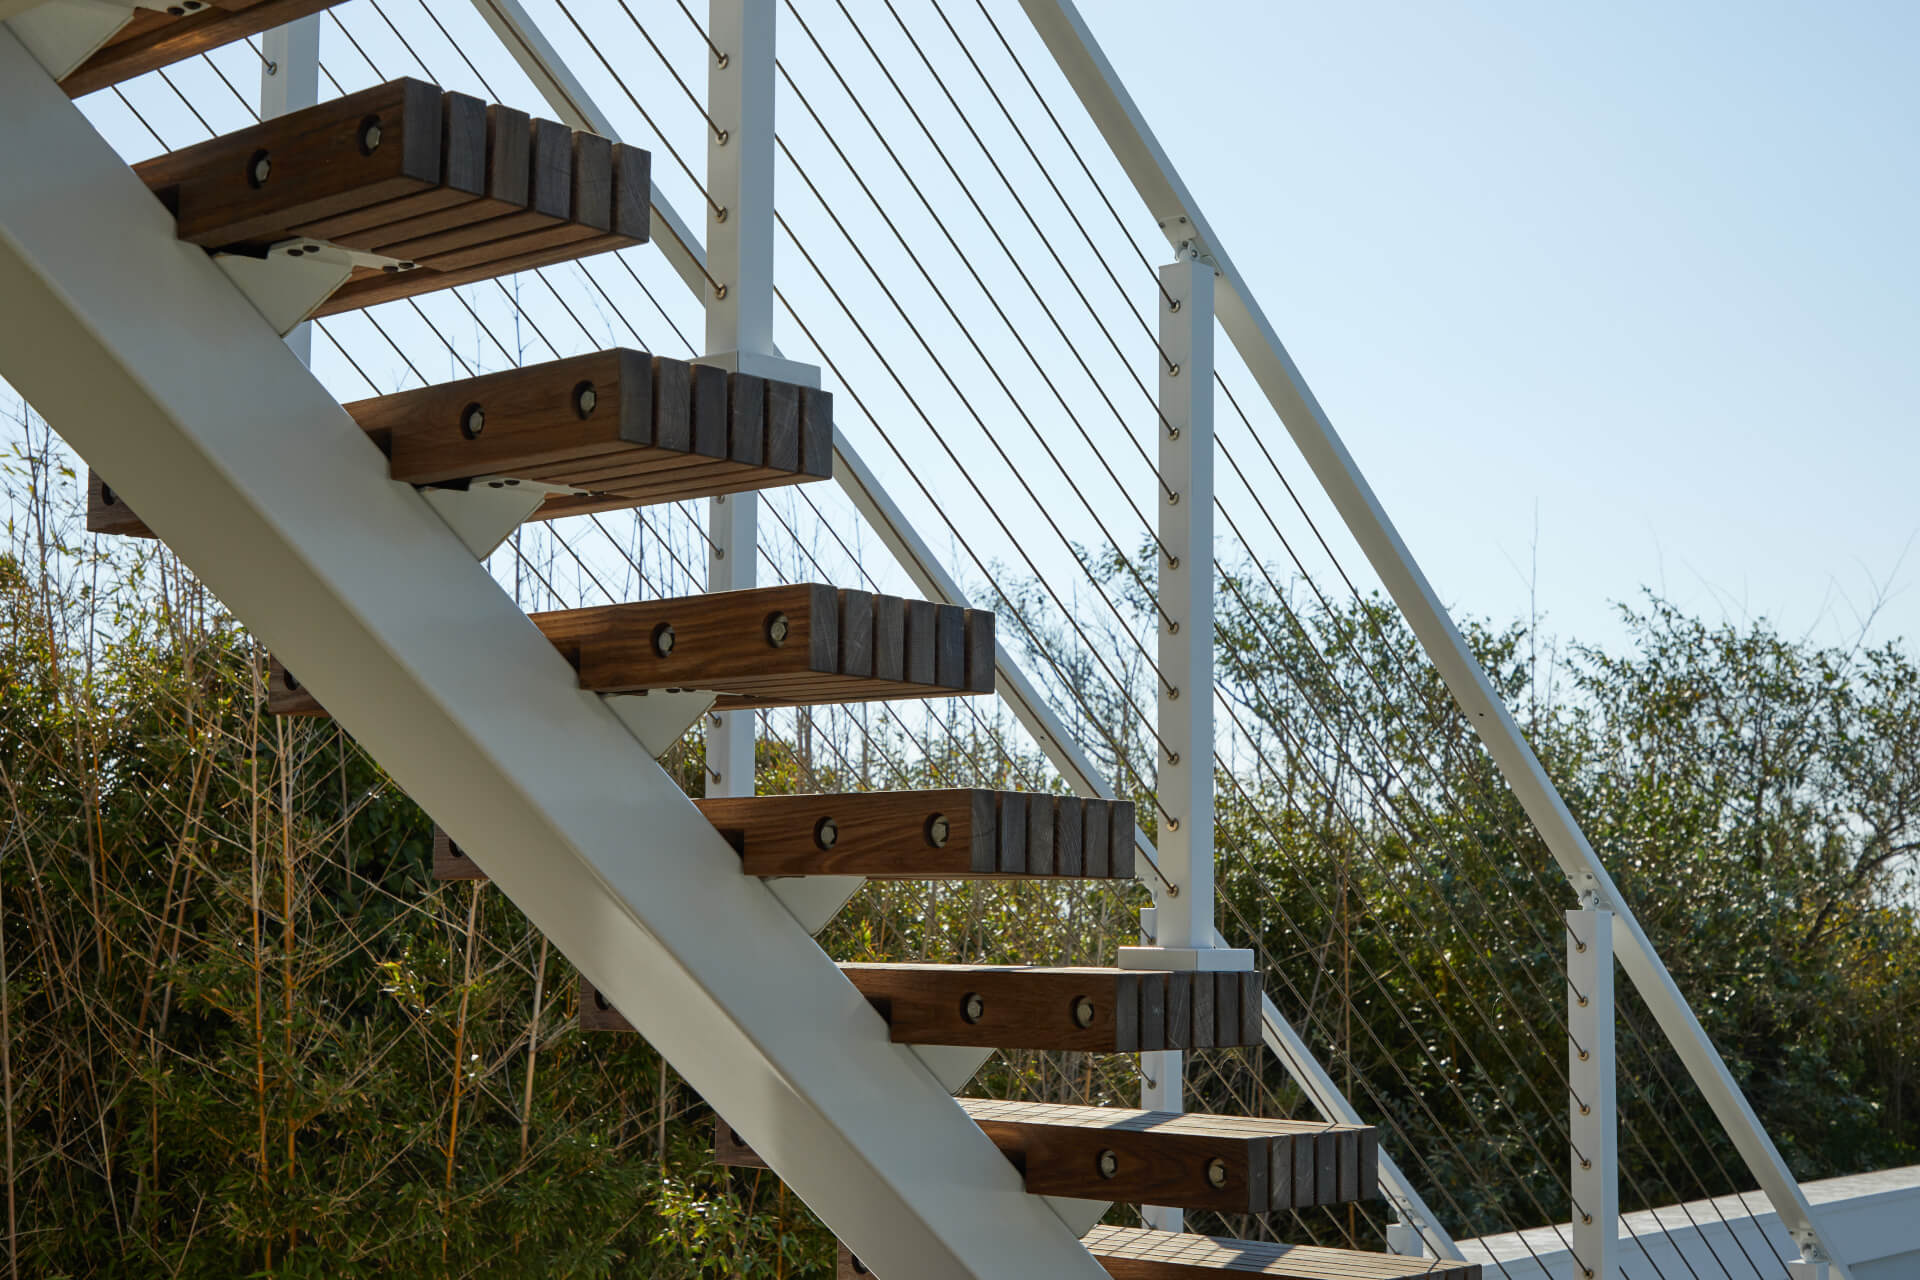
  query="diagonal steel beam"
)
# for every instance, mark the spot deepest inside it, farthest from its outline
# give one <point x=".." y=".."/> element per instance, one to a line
<point x="152" y="364"/>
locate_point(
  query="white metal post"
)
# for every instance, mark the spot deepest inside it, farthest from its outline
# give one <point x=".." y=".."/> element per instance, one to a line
<point x="290" y="81"/>
<point x="739" y="303"/>
<point x="1183" y="898"/>
<point x="1594" y="1130"/>
<point x="1182" y="920"/>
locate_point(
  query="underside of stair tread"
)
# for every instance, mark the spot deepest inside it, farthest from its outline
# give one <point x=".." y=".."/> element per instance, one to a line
<point x="1231" y="1164"/>
<point x="763" y="647"/>
<point x="908" y="835"/>
<point x="1093" y="1010"/>
<point x="447" y="188"/>
<point x="1132" y="1253"/>
<point x="623" y="427"/>
<point x="154" y="38"/>
<point x="1136" y="1120"/>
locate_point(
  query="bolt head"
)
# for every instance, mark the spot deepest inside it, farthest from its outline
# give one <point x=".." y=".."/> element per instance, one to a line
<point x="663" y="640"/>
<point x="778" y="629"/>
<point x="1083" y="1011"/>
<point x="585" y="399"/>
<point x="973" y="1007"/>
<point x="826" y="833"/>
<point x="259" y="169"/>
<point x="1216" y="1173"/>
<point x="473" y="420"/>
<point x="1108" y="1164"/>
<point x="938" y="830"/>
<point x="370" y="135"/>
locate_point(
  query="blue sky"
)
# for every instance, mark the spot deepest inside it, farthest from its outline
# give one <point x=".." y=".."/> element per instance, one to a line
<point x="1641" y="273"/>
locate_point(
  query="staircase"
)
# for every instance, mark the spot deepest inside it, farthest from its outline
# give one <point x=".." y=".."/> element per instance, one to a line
<point x="347" y="537"/>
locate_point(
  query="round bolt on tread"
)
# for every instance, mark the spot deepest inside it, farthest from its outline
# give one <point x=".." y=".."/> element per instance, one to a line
<point x="663" y="639"/>
<point x="973" y="1006"/>
<point x="778" y="629"/>
<point x="370" y="136"/>
<point x="1108" y="1164"/>
<point x="1216" y="1173"/>
<point x="585" y="399"/>
<point x="938" y="830"/>
<point x="259" y="169"/>
<point x="473" y="420"/>
<point x="1083" y="1012"/>
<point x="826" y="833"/>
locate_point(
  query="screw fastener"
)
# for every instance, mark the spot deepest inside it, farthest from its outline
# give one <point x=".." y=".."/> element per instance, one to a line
<point x="370" y="135"/>
<point x="778" y="629"/>
<point x="1108" y="1164"/>
<point x="938" y="830"/>
<point x="1083" y="1012"/>
<point x="1216" y="1173"/>
<point x="826" y="833"/>
<point x="585" y="399"/>
<point x="663" y="639"/>
<point x="259" y="169"/>
<point x="973" y="1007"/>
<point x="473" y="420"/>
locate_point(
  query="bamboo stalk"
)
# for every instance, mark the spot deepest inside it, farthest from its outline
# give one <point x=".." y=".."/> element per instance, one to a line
<point x="459" y="1051"/>
<point x="533" y="1047"/>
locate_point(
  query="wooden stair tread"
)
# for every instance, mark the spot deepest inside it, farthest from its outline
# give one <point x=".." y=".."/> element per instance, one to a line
<point x="626" y="427"/>
<point x="1038" y="1007"/>
<point x="1092" y="1010"/>
<point x="153" y="39"/>
<point x="772" y="646"/>
<point x="1229" y="1164"/>
<point x="509" y="192"/>
<point x="904" y="835"/>
<point x="1134" y="1253"/>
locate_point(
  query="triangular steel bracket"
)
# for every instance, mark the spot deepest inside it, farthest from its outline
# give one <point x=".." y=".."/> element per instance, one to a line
<point x="288" y="284"/>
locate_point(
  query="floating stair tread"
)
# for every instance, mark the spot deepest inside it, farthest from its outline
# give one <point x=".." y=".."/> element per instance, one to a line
<point x="1142" y="1157"/>
<point x="1034" y="1007"/>
<point x="1124" y="1010"/>
<point x="1232" y="1164"/>
<point x="921" y="835"/>
<point x="1133" y="1253"/>
<point x="363" y="170"/>
<point x="621" y="426"/>
<point x="901" y="835"/>
<point x="153" y="39"/>
<point x="768" y="646"/>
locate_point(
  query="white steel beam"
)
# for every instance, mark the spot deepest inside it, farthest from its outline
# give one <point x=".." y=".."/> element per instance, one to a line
<point x="739" y="305"/>
<point x="290" y="81"/>
<point x="1114" y="113"/>
<point x="152" y="364"/>
<point x="1593" y="1128"/>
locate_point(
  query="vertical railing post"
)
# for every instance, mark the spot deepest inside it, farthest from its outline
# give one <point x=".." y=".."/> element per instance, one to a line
<point x="1180" y="928"/>
<point x="1594" y="1130"/>
<point x="739" y="303"/>
<point x="289" y="81"/>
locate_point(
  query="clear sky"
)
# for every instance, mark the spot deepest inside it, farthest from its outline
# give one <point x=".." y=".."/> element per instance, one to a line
<point x="1641" y="275"/>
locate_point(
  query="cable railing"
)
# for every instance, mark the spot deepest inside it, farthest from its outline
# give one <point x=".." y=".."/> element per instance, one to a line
<point x="965" y="256"/>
